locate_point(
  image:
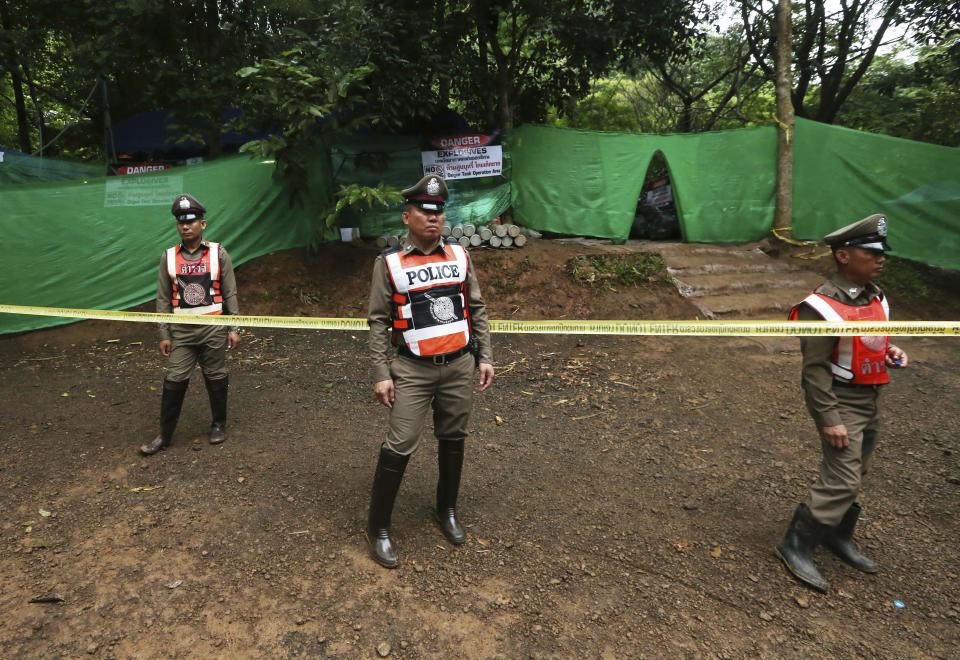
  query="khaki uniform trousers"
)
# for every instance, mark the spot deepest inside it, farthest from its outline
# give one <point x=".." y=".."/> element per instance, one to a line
<point x="418" y="384"/>
<point x="841" y="470"/>
<point x="206" y="344"/>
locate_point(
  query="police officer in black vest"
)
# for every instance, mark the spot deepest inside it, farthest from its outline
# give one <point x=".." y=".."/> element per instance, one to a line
<point x="196" y="278"/>
<point x="425" y="300"/>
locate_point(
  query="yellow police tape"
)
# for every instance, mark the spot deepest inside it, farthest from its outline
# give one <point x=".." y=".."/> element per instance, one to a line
<point x="611" y="327"/>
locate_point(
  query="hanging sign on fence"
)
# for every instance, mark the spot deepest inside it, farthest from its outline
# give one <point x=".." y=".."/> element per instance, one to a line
<point x="463" y="157"/>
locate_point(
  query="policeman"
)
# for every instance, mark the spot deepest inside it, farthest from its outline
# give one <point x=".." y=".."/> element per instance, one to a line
<point x="196" y="277"/>
<point x="841" y="379"/>
<point x="425" y="299"/>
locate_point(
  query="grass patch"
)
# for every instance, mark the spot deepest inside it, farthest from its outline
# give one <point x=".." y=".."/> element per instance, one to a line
<point x="618" y="269"/>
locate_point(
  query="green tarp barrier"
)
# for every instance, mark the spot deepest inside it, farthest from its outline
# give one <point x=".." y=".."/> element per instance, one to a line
<point x="97" y="244"/>
<point x="587" y="182"/>
<point x="842" y="175"/>
<point x="396" y="161"/>
<point x="17" y="168"/>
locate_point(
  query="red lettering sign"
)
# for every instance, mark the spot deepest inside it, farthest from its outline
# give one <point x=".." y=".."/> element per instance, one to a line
<point x="460" y="141"/>
<point x="139" y="168"/>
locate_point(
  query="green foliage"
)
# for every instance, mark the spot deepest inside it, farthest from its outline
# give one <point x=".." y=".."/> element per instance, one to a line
<point x="355" y="198"/>
<point x="918" y="99"/>
<point x="622" y="269"/>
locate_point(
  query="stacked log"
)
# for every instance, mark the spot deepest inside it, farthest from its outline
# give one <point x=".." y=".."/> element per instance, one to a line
<point x="470" y="236"/>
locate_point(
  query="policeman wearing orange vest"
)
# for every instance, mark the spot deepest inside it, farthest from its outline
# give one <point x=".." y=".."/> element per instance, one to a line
<point x="842" y="378"/>
<point x="425" y="300"/>
<point x="196" y="277"/>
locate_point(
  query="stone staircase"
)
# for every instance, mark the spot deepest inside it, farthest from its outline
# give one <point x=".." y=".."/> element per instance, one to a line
<point x="741" y="281"/>
<point x="729" y="281"/>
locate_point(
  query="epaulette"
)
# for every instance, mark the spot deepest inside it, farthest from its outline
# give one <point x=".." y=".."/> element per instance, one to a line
<point x="391" y="250"/>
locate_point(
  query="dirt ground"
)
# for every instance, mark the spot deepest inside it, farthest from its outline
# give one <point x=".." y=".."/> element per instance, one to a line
<point x="622" y="495"/>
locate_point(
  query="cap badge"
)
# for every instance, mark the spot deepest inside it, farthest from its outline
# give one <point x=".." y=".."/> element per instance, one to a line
<point x="433" y="187"/>
<point x="184" y="203"/>
<point x="882" y="226"/>
<point x="853" y="291"/>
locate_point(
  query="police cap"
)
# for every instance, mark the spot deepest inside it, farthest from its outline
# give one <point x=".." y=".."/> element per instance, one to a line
<point x="430" y="193"/>
<point x="869" y="234"/>
<point x="187" y="207"/>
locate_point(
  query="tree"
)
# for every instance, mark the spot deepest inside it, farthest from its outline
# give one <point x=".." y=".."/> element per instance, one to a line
<point x="519" y="58"/>
<point x="833" y="47"/>
<point x="918" y="99"/>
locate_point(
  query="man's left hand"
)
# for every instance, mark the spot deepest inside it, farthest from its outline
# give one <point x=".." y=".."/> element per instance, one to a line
<point x="486" y="376"/>
<point x="896" y="357"/>
<point x="233" y="339"/>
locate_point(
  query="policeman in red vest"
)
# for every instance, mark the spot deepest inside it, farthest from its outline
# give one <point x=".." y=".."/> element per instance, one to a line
<point x="196" y="277"/>
<point x="425" y="300"/>
<point x="842" y="379"/>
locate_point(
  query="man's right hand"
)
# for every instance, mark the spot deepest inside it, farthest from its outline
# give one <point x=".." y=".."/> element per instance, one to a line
<point x="385" y="392"/>
<point x="836" y="436"/>
<point x="165" y="345"/>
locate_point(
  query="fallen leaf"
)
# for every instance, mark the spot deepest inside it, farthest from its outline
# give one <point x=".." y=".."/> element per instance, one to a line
<point x="716" y="552"/>
<point x="174" y="585"/>
<point x="499" y="419"/>
<point x="240" y="480"/>
<point x="113" y="341"/>
<point x="140" y="489"/>
<point x="483" y="541"/>
<point x="682" y="546"/>
<point x="64" y="394"/>
<point x="44" y="513"/>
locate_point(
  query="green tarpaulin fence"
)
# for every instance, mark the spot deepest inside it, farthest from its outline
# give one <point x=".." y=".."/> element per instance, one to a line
<point x="841" y="175"/>
<point x="587" y="182"/>
<point x="96" y="242"/>
<point x="396" y="160"/>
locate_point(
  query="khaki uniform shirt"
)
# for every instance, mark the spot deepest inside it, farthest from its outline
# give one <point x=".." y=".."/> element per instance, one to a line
<point x="381" y="320"/>
<point x="228" y="289"/>
<point x="816" y="378"/>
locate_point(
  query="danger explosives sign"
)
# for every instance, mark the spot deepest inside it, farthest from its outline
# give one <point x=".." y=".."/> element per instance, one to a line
<point x="463" y="157"/>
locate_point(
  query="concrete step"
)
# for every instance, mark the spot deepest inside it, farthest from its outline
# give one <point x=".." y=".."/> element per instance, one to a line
<point x="756" y="305"/>
<point x="720" y="283"/>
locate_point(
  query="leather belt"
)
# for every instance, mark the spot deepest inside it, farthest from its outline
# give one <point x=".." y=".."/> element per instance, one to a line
<point x="446" y="358"/>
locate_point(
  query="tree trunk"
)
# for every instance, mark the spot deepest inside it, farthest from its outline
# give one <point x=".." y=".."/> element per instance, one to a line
<point x="16" y="80"/>
<point x="783" y="211"/>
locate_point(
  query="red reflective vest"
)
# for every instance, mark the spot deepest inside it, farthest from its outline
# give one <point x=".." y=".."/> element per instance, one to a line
<point x="858" y="360"/>
<point x="195" y="284"/>
<point x="430" y="315"/>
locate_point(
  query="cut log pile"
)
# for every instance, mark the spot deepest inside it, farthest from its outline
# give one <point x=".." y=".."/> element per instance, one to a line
<point x="496" y="236"/>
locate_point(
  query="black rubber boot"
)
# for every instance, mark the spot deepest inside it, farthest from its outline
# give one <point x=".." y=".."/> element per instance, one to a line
<point x="217" y="391"/>
<point x="839" y="541"/>
<point x="450" y="462"/>
<point x="171" y="401"/>
<point x="386" y="483"/>
<point x="796" y="548"/>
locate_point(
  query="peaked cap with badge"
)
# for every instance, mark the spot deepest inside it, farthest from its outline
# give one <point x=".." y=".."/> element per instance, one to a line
<point x="187" y="207"/>
<point x="429" y="193"/>
<point x="869" y="234"/>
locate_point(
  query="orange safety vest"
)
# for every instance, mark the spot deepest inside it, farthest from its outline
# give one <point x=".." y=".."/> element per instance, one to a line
<point x="195" y="284"/>
<point x="430" y="315"/>
<point x="857" y="360"/>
